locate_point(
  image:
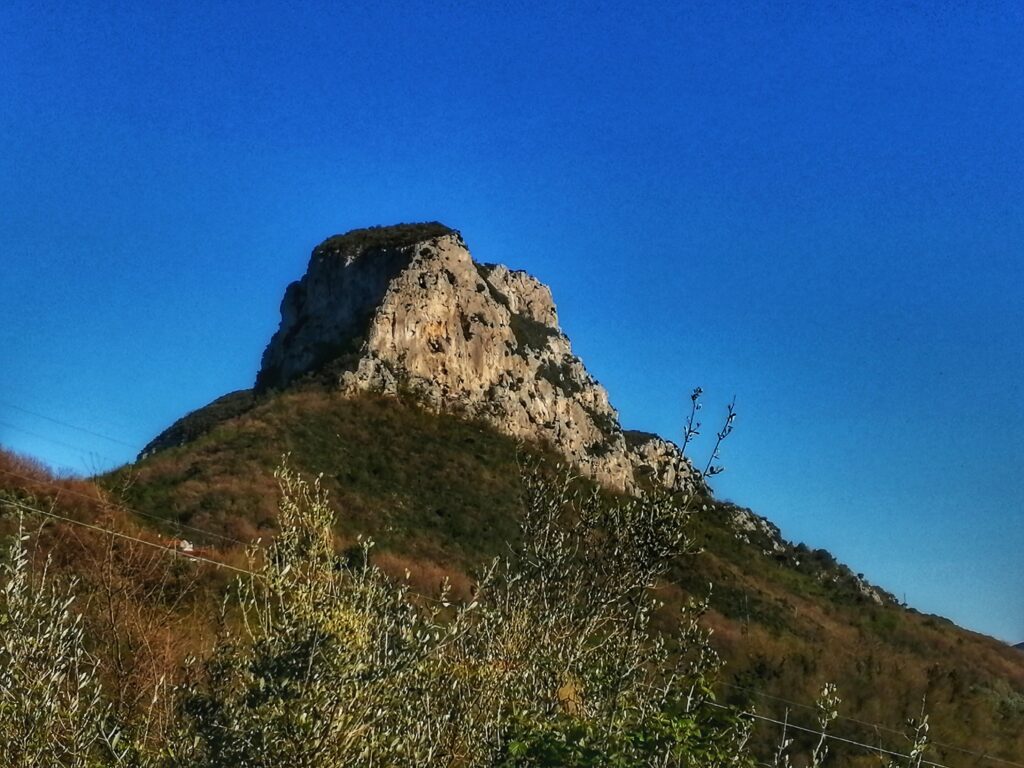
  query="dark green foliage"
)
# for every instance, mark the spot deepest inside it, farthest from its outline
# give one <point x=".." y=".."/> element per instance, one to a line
<point x="394" y="236"/>
<point x="336" y="666"/>
<point x="432" y="485"/>
<point x="688" y="741"/>
<point x="435" y="489"/>
<point x="202" y="420"/>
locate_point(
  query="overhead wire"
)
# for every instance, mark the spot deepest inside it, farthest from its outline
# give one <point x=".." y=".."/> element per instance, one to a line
<point x="874" y="726"/>
<point x="188" y="556"/>
<point x="147" y="515"/>
<point x="77" y="448"/>
<point x="128" y="537"/>
<point x="67" y="424"/>
<point x="875" y="749"/>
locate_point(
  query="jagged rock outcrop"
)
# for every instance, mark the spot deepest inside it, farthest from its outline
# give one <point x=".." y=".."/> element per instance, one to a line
<point x="659" y="459"/>
<point x="407" y="309"/>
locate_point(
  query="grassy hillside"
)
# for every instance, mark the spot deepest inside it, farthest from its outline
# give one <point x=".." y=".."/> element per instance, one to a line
<point x="441" y="495"/>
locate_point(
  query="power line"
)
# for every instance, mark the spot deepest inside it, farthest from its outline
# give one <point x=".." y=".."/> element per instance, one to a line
<point x="830" y="736"/>
<point x="185" y="526"/>
<point x="177" y="553"/>
<point x="147" y="515"/>
<point x="137" y="540"/>
<point x="875" y="726"/>
<point x="809" y="707"/>
<point x="877" y="749"/>
<point x="76" y="448"/>
<point x="75" y="427"/>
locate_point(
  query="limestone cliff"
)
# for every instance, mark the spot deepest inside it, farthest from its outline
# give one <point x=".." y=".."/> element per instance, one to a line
<point x="407" y="309"/>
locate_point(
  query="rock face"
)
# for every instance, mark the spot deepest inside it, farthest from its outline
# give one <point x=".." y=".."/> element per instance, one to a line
<point x="407" y="309"/>
<point x="658" y="459"/>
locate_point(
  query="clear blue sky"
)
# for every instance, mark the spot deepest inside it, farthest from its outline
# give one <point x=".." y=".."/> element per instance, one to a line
<point x="818" y="207"/>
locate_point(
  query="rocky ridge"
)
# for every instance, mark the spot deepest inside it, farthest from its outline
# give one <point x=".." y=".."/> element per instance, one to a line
<point x="406" y="309"/>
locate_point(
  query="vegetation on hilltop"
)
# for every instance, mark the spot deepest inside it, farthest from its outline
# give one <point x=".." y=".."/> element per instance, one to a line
<point x="436" y="490"/>
<point x="194" y="425"/>
<point x="393" y="236"/>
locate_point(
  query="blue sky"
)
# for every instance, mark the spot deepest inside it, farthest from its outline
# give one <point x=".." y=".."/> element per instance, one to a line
<point x="816" y="207"/>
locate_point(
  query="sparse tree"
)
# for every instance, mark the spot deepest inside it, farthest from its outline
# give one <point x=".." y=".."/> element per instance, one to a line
<point x="552" y="662"/>
<point x="51" y="709"/>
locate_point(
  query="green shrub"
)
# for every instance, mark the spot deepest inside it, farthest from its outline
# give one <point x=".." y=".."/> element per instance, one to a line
<point x="551" y="663"/>
<point x="51" y="710"/>
<point x="394" y="236"/>
<point x="322" y="661"/>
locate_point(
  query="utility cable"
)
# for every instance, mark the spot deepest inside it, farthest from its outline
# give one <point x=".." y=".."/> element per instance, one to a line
<point x="147" y="515"/>
<point x="876" y="749"/>
<point x="77" y="448"/>
<point x="184" y="526"/>
<point x="137" y="540"/>
<point x="870" y="747"/>
<point x="176" y="552"/>
<point x="75" y="427"/>
<point x="875" y="726"/>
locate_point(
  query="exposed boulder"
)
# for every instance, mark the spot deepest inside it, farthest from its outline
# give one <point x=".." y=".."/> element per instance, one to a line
<point x="659" y="459"/>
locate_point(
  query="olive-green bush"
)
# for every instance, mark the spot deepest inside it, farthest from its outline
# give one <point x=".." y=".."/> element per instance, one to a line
<point x="323" y="661"/>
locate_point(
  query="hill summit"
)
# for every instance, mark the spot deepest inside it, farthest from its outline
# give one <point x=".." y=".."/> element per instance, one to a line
<point x="405" y="309"/>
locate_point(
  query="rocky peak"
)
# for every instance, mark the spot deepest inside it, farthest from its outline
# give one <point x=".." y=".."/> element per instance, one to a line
<point x="407" y="309"/>
<point x="326" y="314"/>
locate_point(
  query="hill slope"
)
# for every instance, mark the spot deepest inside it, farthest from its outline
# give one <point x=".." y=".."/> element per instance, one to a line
<point x="440" y="494"/>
